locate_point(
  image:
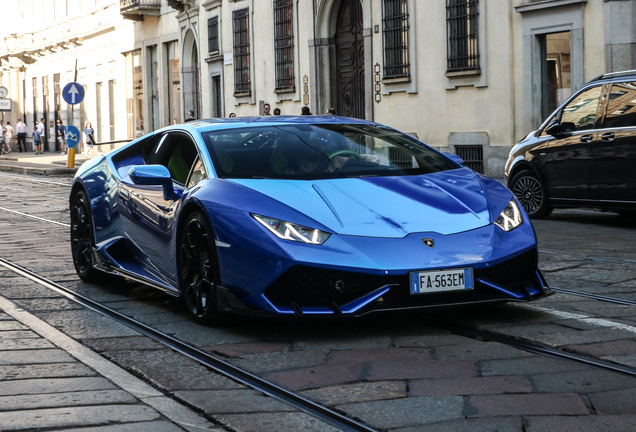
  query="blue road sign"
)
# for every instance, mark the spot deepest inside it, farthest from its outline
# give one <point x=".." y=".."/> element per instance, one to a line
<point x="73" y="93"/>
<point x="72" y="136"/>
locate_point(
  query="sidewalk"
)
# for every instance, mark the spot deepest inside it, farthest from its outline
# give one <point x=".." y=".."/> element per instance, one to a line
<point x="47" y="163"/>
<point x="48" y="380"/>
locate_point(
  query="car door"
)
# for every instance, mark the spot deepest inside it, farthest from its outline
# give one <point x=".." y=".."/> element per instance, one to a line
<point x="153" y="214"/>
<point x="616" y="148"/>
<point x="567" y="160"/>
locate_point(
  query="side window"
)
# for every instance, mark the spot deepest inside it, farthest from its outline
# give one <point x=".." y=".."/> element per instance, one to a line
<point x="177" y="152"/>
<point x="621" y="106"/>
<point x="543" y="132"/>
<point x="581" y="111"/>
<point x="198" y="173"/>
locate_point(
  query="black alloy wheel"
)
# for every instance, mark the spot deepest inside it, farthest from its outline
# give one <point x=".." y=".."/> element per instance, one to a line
<point x="198" y="269"/>
<point x="82" y="241"/>
<point x="528" y="189"/>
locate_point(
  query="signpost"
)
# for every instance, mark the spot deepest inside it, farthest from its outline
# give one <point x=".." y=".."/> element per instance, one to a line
<point x="72" y="136"/>
<point x="73" y="93"/>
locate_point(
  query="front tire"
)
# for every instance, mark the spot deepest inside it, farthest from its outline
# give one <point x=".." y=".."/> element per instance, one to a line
<point x="530" y="192"/>
<point x="199" y="270"/>
<point x="82" y="241"/>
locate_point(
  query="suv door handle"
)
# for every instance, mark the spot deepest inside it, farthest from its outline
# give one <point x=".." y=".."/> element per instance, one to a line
<point x="586" y="138"/>
<point x="608" y="136"/>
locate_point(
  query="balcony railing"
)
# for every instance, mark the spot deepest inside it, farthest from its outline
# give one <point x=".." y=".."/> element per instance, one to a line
<point x="134" y="9"/>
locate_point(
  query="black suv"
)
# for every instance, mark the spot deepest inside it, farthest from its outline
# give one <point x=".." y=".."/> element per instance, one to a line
<point x="584" y="155"/>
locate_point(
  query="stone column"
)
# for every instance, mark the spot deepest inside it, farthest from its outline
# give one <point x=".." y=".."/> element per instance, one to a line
<point x="620" y="35"/>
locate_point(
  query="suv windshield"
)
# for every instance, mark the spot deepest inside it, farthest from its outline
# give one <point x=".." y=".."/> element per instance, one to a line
<point x="322" y="151"/>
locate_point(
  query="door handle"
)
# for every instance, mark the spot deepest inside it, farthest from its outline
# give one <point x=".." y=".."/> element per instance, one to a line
<point x="608" y="136"/>
<point x="586" y="138"/>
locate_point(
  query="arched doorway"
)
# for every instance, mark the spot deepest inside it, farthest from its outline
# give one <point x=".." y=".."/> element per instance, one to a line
<point x="190" y="74"/>
<point x="350" y="60"/>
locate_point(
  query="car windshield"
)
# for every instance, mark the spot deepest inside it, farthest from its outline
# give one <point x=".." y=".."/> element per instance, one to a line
<point x="321" y="151"/>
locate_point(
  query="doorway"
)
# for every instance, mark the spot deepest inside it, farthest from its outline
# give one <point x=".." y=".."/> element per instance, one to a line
<point x="556" y="71"/>
<point x="350" y="60"/>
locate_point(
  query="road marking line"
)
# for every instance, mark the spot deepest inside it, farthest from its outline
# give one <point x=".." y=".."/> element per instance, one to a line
<point x="35" y="217"/>
<point x="601" y="322"/>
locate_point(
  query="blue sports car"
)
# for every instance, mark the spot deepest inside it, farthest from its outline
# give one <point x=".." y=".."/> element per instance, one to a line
<point x="300" y="216"/>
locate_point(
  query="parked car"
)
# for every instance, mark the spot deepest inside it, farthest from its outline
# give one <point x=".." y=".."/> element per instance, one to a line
<point x="298" y="216"/>
<point x="584" y="154"/>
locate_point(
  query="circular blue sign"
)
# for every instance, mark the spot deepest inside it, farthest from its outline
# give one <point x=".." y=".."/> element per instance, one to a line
<point x="73" y="93"/>
<point x="72" y="136"/>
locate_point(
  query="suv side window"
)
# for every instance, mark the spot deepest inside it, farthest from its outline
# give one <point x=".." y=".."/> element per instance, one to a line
<point x="581" y="111"/>
<point x="621" y="106"/>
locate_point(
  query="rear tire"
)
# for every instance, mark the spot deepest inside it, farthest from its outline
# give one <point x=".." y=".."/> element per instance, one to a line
<point x="82" y="240"/>
<point x="530" y="192"/>
<point x="199" y="270"/>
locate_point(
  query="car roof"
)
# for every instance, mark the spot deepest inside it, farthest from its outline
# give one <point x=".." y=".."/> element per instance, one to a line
<point x="204" y="125"/>
<point x="627" y="75"/>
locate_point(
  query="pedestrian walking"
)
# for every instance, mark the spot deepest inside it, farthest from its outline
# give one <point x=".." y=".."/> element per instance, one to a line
<point x="8" y="136"/>
<point x="61" y="133"/>
<point x="276" y="111"/>
<point x="37" y="141"/>
<point x="190" y="116"/>
<point x="266" y="109"/>
<point x="2" y="144"/>
<point x="22" y="130"/>
<point x="331" y="111"/>
<point x="305" y="111"/>
<point x="89" y="138"/>
<point x="41" y="129"/>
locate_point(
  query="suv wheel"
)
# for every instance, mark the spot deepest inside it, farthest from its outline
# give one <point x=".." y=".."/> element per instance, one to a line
<point x="528" y="189"/>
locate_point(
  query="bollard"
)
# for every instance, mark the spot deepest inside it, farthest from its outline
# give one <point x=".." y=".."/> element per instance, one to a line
<point x="70" y="163"/>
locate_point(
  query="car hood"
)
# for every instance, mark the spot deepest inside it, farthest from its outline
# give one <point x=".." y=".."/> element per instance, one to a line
<point x="445" y="202"/>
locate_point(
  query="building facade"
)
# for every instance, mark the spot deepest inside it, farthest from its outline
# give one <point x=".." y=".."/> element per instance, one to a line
<point x="466" y="76"/>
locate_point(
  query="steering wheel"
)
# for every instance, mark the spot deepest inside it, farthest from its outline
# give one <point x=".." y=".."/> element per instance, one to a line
<point x="345" y="153"/>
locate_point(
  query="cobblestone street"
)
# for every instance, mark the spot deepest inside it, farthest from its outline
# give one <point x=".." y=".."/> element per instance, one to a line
<point x="389" y="371"/>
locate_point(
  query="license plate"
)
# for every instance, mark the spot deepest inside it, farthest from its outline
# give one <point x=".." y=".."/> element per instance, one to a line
<point x="441" y="280"/>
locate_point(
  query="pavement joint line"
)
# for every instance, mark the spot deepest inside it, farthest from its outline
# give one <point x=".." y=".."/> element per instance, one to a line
<point x="171" y="409"/>
<point x="35" y="217"/>
<point x="589" y="258"/>
<point x="32" y="193"/>
<point x="601" y="322"/>
<point x="23" y="177"/>
<point x="314" y="409"/>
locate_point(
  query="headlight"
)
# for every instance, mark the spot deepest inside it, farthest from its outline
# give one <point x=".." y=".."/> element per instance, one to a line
<point x="510" y="218"/>
<point x="289" y="231"/>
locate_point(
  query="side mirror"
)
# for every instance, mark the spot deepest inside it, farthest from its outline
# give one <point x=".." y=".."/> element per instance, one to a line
<point x="553" y="128"/>
<point x="557" y="129"/>
<point x="153" y="175"/>
<point x="455" y="158"/>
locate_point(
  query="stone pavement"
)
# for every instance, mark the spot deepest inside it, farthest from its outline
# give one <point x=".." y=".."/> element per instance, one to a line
<point x="48" y="163"/>
<point x="48" y="380"/>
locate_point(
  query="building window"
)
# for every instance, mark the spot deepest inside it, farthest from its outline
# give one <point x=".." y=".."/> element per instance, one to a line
<point x="213" y="34"/>
<point x="284" y="44"/>
<point x="473" y="156"/>
<point x="241" y="44"/>
<point x="174" y="83"/>
<point x="461" y="30"/>
<point x="395" y="28"/>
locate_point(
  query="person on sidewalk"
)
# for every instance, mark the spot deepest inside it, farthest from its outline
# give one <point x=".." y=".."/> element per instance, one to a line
<point x="190" y="116"/>
<point x="61" y="133"/>
<point x="89" y="138"/>
<point x="2" y="144"/>
<point x="36" y="141"/>
<point x="8" y="136"/>
<point x="22" y="130"/>
<point x="41" y="127"/>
